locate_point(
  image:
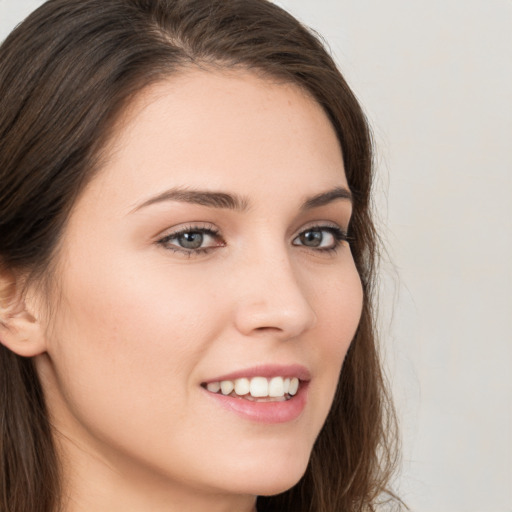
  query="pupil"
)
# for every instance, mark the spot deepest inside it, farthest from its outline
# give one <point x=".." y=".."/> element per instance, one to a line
<point x="191" y="240"/>
<point x="311" y="238"/>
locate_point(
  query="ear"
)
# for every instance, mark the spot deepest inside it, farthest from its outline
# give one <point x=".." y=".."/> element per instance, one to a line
<point x="20" y="328"/>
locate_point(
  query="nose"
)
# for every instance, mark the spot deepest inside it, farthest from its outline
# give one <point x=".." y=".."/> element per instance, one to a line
<point x="272" y="299"/>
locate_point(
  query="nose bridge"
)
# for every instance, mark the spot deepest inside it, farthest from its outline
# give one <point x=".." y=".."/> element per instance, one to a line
<point x="271" y="296"/>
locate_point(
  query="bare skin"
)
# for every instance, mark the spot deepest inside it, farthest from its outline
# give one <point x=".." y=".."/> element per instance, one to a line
<point x="160" y="293"/>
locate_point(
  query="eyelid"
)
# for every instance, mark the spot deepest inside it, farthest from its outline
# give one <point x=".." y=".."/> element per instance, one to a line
<point x="340" y="235"/>
<point x="187" y="226"/>
<point x="164" y="240"/>
<point x="199" y="227"/>
<point x="321" y="225"/>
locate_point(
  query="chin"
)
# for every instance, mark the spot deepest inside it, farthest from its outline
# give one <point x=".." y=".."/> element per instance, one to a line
<point x="278" y="486"/>
<point x="273" y="477"/>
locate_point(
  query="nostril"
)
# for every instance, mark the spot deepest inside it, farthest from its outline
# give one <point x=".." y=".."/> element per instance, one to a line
<point x="265" y="329"/>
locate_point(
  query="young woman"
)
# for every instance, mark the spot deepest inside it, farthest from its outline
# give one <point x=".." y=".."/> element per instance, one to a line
<point x="186" y="265"/>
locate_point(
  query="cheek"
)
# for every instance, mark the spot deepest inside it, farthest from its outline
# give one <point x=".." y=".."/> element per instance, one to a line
<point x="124" y="351"/>
<point x="338" y="305"/>
<point x="128" y="337"/>
<point x="125" y="316"/>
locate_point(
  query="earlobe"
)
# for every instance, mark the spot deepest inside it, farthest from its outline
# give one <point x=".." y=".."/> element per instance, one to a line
<point x="20" y="328"/>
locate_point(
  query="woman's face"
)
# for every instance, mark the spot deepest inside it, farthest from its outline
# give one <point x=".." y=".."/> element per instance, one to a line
<point x="209" y="250"/>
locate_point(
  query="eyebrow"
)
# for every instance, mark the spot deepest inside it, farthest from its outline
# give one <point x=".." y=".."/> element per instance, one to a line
<point x="325" y="198"/>
<point x="200" y="197"/>
<point x="223" y="200"/>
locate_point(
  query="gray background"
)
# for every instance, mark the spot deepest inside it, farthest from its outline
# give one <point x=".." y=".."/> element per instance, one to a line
<point x="436" y="81"/>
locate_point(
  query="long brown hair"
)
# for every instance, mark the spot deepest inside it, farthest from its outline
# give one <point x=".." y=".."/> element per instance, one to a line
<point x="65" y="75"/>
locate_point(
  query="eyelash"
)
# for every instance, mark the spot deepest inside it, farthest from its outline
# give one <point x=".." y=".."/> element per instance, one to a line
<point x="203" y="230"/>
<point x="338" y="234"/>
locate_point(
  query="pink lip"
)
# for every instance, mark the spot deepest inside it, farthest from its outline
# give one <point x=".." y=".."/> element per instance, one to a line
<point x="265" y="412"/>
<point x="268" y="371"/>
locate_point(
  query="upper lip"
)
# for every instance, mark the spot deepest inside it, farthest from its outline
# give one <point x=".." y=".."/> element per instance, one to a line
<point x="268" y="370"/>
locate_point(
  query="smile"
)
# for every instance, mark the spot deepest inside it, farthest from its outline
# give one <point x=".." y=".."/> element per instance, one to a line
<point x="257" y="389"/>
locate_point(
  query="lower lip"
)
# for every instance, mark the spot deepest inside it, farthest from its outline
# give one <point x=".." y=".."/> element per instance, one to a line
<point x="265" y="412"/>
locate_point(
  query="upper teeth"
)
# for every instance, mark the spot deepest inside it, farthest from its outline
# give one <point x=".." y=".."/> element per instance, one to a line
<point x="257" y="387"/>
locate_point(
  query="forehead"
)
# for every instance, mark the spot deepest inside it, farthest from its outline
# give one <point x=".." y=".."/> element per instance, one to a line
<point x="233" y="129"/>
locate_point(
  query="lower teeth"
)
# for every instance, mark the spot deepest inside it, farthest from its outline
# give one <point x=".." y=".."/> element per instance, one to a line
<point x="261" y="399"/>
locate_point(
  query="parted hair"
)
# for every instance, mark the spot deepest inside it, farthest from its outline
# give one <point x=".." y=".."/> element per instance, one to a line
<point x="66" y="74"/>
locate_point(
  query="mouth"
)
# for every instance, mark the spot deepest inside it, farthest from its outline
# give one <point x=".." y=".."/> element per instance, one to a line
<point x="268" y="394"/>
<point x="256" y="389"/>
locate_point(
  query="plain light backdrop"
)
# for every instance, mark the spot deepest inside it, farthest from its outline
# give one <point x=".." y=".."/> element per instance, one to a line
<point x="435" y="79"/>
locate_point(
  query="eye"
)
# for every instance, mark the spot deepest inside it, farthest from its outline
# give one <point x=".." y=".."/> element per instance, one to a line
<point x="192" y="239"/>
<point x="322" y="238"/>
